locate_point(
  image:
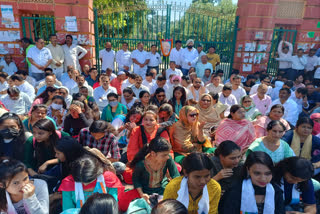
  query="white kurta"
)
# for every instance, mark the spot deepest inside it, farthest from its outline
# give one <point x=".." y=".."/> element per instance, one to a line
<point x="72" y="57"/>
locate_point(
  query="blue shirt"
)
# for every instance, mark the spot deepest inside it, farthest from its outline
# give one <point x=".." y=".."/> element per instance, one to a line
<point x="307" y="195"/>
<point x="90" y="81"/>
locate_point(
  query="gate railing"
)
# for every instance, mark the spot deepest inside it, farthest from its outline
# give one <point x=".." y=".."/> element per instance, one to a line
<point x="150" y="23"/>
<point x="34" y="27"/>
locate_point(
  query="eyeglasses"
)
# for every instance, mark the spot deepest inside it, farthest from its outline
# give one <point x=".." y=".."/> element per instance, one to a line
<point x="266" y="81"/>
<point x="198" y="82"/>
<point x="208" y="101"/>
<point x="193" y="115"/>
<point x="247" y="101"/>
<point x="159" y="95"/>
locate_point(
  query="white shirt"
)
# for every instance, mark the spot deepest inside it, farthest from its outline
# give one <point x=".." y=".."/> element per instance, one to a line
<point x="176" y="72"/>
<point x="57" y="55"/>
<point x="200" y="68"/>
<point x="238" y="93"/>
<point x="112" y="76"/>
<point x="141" y="57"/>
<point x="298" y="63"/>
<point x="76" y="90"/>
<point x="317" y="72"/>
<point x="189" y="56"/>
<point x="19" y="106"/>
<point x="65" y="78"/>
<point x="298" y="101"/>
<point x="9" y="69"/>
<point x="200" y="55"/>
<point x="155" y="86"/>
<point x="100" y="96"/>
<point x="175" y="55"/>
<point x="123" y="58"/>
<point x="130" y="104"/>
<point x="125" y="84"/>
<point x="71" y="55"/>
<point x="137" y="91"/>
<point x="4" y="86"/>
<point x="311" y="62"/>
<point x="291" y="112"/>
<point x="155" y="59"/>
<point x="285" y="64"/>
<point x="254" y="90"/>
<point x="107" y="59"/>
<point x="31" y="80"/>
<point x="28" y="89"/>
<point x="214" y="89"/>
<point x="229" y="101"/>
<point x="149" y="85"/>
<point x="70" y="84"/>
<point x="40" y="57"/>
<point x="190" y="95"/>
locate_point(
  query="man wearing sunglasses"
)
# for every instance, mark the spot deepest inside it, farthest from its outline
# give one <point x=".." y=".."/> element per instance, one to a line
<point x="196" y="90"/>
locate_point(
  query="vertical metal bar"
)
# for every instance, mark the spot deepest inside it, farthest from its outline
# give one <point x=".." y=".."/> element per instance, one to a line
<point x="35" y="28"/>
<point x="142" y="25"/>
<point x="23" y="27"/>
<point x="107" y="26"/>
<point x="215" y="33"/>
<point x="211" y="28"/>
<point x="52" y="26"/>
<point x="174" y="23"/>
<point x="30" y="31"/>
<point x="271" y="50"/>
<point x="188" y="24"/>
<point x="41" y="32"/>
<point x="118" y="36"/>
<point x="220" y="37"/>
<point x="112" y="25"/>
<point x="233" y="44"/>
<point x="48" y="34"/>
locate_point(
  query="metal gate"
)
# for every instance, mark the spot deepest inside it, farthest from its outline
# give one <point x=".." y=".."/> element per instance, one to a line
<point x="279" y="35"/>
<point x="37" y="26"/>
<point x="148" y="23"/>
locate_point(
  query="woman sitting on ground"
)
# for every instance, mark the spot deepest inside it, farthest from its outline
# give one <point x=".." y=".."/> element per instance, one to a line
<point x="143" y="134"/>
<point x="236" y="128"/>
<point x="113" y="109"/>
<point x="187" y="135"/>
<point x="150" y="166"/>
<point x="45" y="97"/>
<point x="226" y="164"/>
<point x="254" y="192"/>
<point x="179" y="99"/>
<point x="303" y="143"/>
<point x="196" y="190"/>
<point x="144" y="97"/>
<point x="159" y="97"/>
<point x="252" y="113"/>
<point x="294" y="176"/>
<point x="18" y="193"/>
<point x="276" y="113"/>
<point x="58" y="110"/>
<point x="272" y="144"/>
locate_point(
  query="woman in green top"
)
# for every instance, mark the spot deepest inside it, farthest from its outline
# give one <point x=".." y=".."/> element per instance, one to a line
<point x="272" y="144"/>
<point x="113" y="109"/>
<point x="150" y="166"/>
<point x="40" y="147"/>
<point x="252" y="113"/>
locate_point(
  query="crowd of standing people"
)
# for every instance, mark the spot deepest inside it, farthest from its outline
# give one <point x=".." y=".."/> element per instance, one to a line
<point x="135" y="137"/>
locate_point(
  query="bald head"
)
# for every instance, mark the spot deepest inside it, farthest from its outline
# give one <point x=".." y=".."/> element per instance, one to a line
<point x="262" y="89"/>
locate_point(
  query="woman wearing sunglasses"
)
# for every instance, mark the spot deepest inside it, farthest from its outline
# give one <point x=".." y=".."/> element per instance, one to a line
<point x="187" y="134"/>
<point x="236" y="128"/>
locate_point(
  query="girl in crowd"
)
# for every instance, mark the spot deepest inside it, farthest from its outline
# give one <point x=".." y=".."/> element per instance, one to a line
<point x="87" y="177"/>
<point x="252" y="113"/>
<point x="275" y="113"/>
<point x="76" y="120"/>
<point x="18" y="194"/>
<point x="272" y="144"/>
<point x="40" y="147"/>
<point x="303" y="143"/>
<point x="179" y="99"/>
<point x="128" y="98"/>
<point x="150" y="166"/>
<point x="192" y="188"/>
<point x="207" y="113"/>
<point x="45" y="97"/>
<point x="226" y="164"/>
<point x="12" y="136"/>
<point x="113" y="109"/>
<point x="294" y="175"/>
<point x="169" y="206"/>
<point x="159" y="97"/>
<point x="100" y="203"/>
<point x="37" y="113"/>
<point x="236" y="128"/>
<point x="254" y="192"/>
<point x="58" y="110"/>
<point x="144" y="97"/>
<point x="143" y="134"/>
<point x="187" y="134"/>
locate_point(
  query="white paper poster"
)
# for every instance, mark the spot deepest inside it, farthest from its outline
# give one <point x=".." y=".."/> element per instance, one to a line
<point x="247" y="67"/>
<point x="7" y="14"/>
<point x="71" y="23"/>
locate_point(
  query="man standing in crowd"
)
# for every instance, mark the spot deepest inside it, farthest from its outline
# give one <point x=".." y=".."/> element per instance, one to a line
<point x="173" y="70"/>
<point x="213" y="58"/>
<point x="200" y="52"/>
<point x="203" y="65"/>
<point x="123" y="58"/>
<point x="107" y="57"/>
<point x="155" y="59"/>
<point x="285" y="50"/>
<point x="312" y="61"/>
<point x="72" y="53"/>
<point x="140" y="59"/>
<point x="7" y="65"/>
<point x="189" y="57"/>
<point x="57" y="56"/>
<point x="26" y="45"/>
<point x="40" y="58"/>
<point x="175" y="54"/>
